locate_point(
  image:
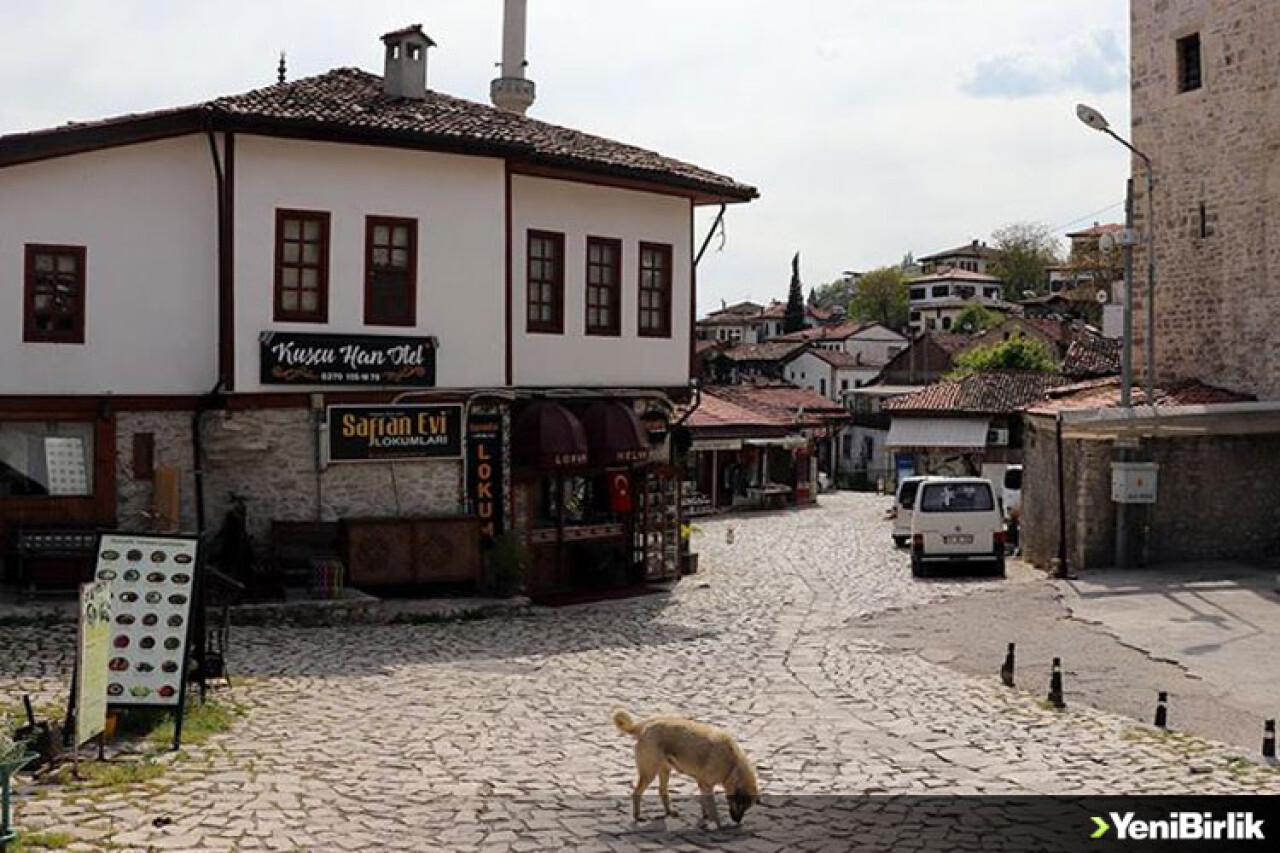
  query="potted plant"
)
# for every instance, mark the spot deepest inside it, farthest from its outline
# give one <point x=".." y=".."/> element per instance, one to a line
<point x="13" y="757"/>
<point x="508" y="561"/>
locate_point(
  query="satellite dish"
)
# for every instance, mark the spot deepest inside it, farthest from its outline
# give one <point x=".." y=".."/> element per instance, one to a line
<point x="1102" y="296"/>
<point x="1106" y="242"/>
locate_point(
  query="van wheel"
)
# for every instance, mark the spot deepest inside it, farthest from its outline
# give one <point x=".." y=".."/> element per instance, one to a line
<point x="899" y="541"/>
<point x="918" y="568"/>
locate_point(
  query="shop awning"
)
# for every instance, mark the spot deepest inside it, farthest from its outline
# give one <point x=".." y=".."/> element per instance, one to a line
<point x="547" y="435"/>
<point x="790" y="442"/>
<point x="614" y="434"/>
<point x="968" y="433"/>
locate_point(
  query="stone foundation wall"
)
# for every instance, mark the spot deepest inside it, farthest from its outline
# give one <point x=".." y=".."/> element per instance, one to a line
<point x="270" y="456"/>
<point x="172" y="435"/>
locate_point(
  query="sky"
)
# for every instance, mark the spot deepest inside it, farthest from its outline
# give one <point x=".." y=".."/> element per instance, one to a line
<point x="872" y="128"/>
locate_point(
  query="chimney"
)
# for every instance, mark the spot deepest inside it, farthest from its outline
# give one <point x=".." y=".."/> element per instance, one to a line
<point x="405" y="68"/>
<point x="511" y="92"/>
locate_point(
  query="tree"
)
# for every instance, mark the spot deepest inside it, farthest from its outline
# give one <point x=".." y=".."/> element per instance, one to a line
<point x="975" y="319"/>
<point x="1024" y="252"/>
<point x="880" y="296"/>
<point x="834" y="294"/>
<point x="793" y="319"/>
<point x="1013" y="354"/>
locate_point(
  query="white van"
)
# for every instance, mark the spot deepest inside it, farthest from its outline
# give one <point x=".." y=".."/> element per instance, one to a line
<point x="956" y="520"/>
<point x="903" y="501"/>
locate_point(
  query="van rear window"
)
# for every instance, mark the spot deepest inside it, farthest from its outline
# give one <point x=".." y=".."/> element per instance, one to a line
<point x="908" y="497"/>
<point x="957" y="497"/>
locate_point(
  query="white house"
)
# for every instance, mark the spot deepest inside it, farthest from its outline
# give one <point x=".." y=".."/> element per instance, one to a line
<point x="937" y="299"/>
<point x="199" y="287"/>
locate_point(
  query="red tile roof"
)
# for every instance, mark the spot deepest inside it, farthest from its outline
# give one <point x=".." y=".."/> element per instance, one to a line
<point x="1104" y="393"/>
<point x="716" y="412"/>
<point x="972" y="249"/>
<point x="1092" y="356"/>
<point x="1098" y="230"/>
<point x="774" y="350"/>
<point x="993" y="393"/>
<point x="348" y="104"/>
<point x="782" y="402"/>
<point x="840" y="332"/>
<point x="839" y="359"/>
<point x="954" y="274"/>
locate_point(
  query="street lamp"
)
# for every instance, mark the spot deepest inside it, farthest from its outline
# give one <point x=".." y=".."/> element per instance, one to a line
<point x="1097" y="121"/>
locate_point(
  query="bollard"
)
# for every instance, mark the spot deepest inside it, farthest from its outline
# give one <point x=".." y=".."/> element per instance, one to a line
<point x="728" y="536"/>
<point x="1269" y="740"/>
<point x="1162" y="710"/>
<point x="1006" y="669"/>
<point x="1055" y="685"/>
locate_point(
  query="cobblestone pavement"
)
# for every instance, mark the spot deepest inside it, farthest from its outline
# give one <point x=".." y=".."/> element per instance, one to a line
<point x="495" y="735"/>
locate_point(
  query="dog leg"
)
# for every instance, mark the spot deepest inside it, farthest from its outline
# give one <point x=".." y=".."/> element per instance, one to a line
<point x="645" y="780"/>
<point x="709" y="811"/>
<point x="664" y="774"/>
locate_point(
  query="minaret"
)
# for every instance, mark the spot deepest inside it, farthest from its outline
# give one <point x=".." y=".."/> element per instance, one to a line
<point x="512" y="92"/>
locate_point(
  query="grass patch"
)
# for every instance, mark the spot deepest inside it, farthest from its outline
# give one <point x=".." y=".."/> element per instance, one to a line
<point x="201" y="722"/>
<point x="108" y="774"/>
<point x="41" y="841"/>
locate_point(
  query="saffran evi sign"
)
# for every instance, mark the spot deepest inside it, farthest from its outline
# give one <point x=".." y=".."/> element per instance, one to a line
<point x="294" y="358"/>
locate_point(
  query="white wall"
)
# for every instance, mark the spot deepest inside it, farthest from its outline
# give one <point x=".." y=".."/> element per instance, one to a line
<point x="146" y="215"/>
<point x="806" y="369"/>
<point x="574" y="358"/>
<point x="459" y="204"/>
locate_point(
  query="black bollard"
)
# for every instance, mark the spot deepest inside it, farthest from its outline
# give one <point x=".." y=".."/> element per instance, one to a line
<point x="1162" y="710"/>
<point x="1055" y="685"/>
<point x="1006" y="669"/>
<point x="1269" y="739"/>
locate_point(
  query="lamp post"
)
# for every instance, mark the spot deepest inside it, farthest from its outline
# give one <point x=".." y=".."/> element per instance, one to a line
<point x="1094" y="119"/>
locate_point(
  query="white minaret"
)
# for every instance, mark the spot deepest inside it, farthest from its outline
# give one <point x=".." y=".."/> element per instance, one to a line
<point x="512" y="92"/>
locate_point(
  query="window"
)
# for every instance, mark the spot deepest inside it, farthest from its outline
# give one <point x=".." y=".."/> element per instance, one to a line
<point x="844" y="384"/>
<point x="917" y="293"/>
<point x="604" y="273"/>
<point x="940" y="290"/>
<point x="822" y="387"/>
<point x="915" y="316"/>
<point x="302" y="266"/>
<point x="46" y="459"/>
<point x="946" y="322"/>
<point x="545" y="275"/>
<point x="390" y="271"/>
<point x="1189" y="76"/>
<point x="54" y="294"/>
<point x="655" y="290"/>
<point x="962" y="497"/>
<point x="993" y="292"/>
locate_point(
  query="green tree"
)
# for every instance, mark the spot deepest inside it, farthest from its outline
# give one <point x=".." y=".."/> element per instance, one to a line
<point x="793" y="318"/>
<point x="880" y="296"/>
<point x="833" y="294"/>
<point x="1024" y="253"/>
<point x="1013" y="354"/>
<point x="975" y="319"/>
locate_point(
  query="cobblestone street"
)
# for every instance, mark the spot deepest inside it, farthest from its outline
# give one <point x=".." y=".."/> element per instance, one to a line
<point x="495" y="734"/>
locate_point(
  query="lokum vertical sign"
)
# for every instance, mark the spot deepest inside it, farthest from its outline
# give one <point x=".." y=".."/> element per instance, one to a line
<point x="94" y="642"/>
<point x="485" y="471"/>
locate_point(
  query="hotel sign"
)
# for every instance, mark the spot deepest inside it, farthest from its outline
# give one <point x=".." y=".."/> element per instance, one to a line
<point x="294" y="358"/>
<point x="393" y="433"/>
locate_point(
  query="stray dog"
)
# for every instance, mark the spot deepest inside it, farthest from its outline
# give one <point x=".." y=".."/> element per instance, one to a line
<point x="708" y="754"/>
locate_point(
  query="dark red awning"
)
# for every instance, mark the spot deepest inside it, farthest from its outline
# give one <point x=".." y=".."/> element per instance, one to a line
<point x="614" y="434"/>
<point x="547" y="435"/>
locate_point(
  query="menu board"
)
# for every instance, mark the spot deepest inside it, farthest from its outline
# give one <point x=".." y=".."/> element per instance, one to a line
<point x="152" y="584"/>
<point x="92" y="654"/>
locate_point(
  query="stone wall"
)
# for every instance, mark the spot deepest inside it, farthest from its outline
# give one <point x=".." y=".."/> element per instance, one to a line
<point x="270" y="457"/>
<point x="171" y="432"/>
<point x="1217" y="309"/>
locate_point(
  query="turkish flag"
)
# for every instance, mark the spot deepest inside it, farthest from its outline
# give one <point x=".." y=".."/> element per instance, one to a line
<point x="619" y="492"/>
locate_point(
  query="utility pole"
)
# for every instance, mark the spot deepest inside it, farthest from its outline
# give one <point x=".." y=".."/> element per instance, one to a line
<point x="1126" y="370"/>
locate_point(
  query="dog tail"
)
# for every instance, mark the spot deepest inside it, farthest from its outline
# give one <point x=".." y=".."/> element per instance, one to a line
<point x="623" y="721"/>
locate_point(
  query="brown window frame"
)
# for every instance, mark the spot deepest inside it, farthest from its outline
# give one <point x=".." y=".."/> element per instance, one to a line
<point x="32" y="335"/>
<point x="614" y="327"/>
<point x="554" y="326"/>
<point x="321" y="313"/>
<point x="664" y="290"/>
<point x="411" y="318"/>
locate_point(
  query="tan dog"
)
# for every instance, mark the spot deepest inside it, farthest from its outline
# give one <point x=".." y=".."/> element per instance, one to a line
<point x="708" y="754"/>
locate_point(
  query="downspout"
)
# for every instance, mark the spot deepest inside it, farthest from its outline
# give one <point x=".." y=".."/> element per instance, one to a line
<point x="1061" y="570"/>
<point x="210" y="400"/>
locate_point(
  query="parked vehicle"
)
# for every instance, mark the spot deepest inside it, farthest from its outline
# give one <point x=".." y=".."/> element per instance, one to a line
<point x="903" y="502"/>
<point x="956" y="520"/>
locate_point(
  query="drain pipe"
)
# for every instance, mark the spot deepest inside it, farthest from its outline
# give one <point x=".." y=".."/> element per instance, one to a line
<point x="1060" y="570"/>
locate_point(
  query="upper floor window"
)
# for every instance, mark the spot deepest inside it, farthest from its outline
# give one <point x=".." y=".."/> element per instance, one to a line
<point x="604" y="289"/>
<point x="545" y="282"/>
<point x="302" y="266"/>
<point x="655" y="290"/>
<point x="918" y="293"/>
<point x="54" y="294"/>
<point x="391" y="271"/>
<point x="1189" y="73"/>
<point x="940" y="290"/>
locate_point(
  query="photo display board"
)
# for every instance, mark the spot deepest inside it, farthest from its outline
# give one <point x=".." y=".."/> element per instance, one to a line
<point x="92" y="654"/>
<point x="152" y="585"/>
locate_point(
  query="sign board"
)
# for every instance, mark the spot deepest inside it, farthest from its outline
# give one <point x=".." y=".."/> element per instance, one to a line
<point x="1134" y="482"/>
<point x="294" y="358"/>
<point x="394" y="432"/>
<point x="65" y="463"/>
<point x="152" y="584"/>
<point x="93" y="642"/>
<point x="709" y="444"/>
<point x="485" y="472"/>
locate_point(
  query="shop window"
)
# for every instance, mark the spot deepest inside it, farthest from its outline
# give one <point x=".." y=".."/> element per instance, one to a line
<point x="46" y="459"/>
<point x="390" y="271"/>
<point x="604" y="289"/>
<point x="302" y="266"/>
<point x="545" y="282"/>
<point x="655" y="290"/>
<point x="585" y="501"/>
<point x="54" y="294"/>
